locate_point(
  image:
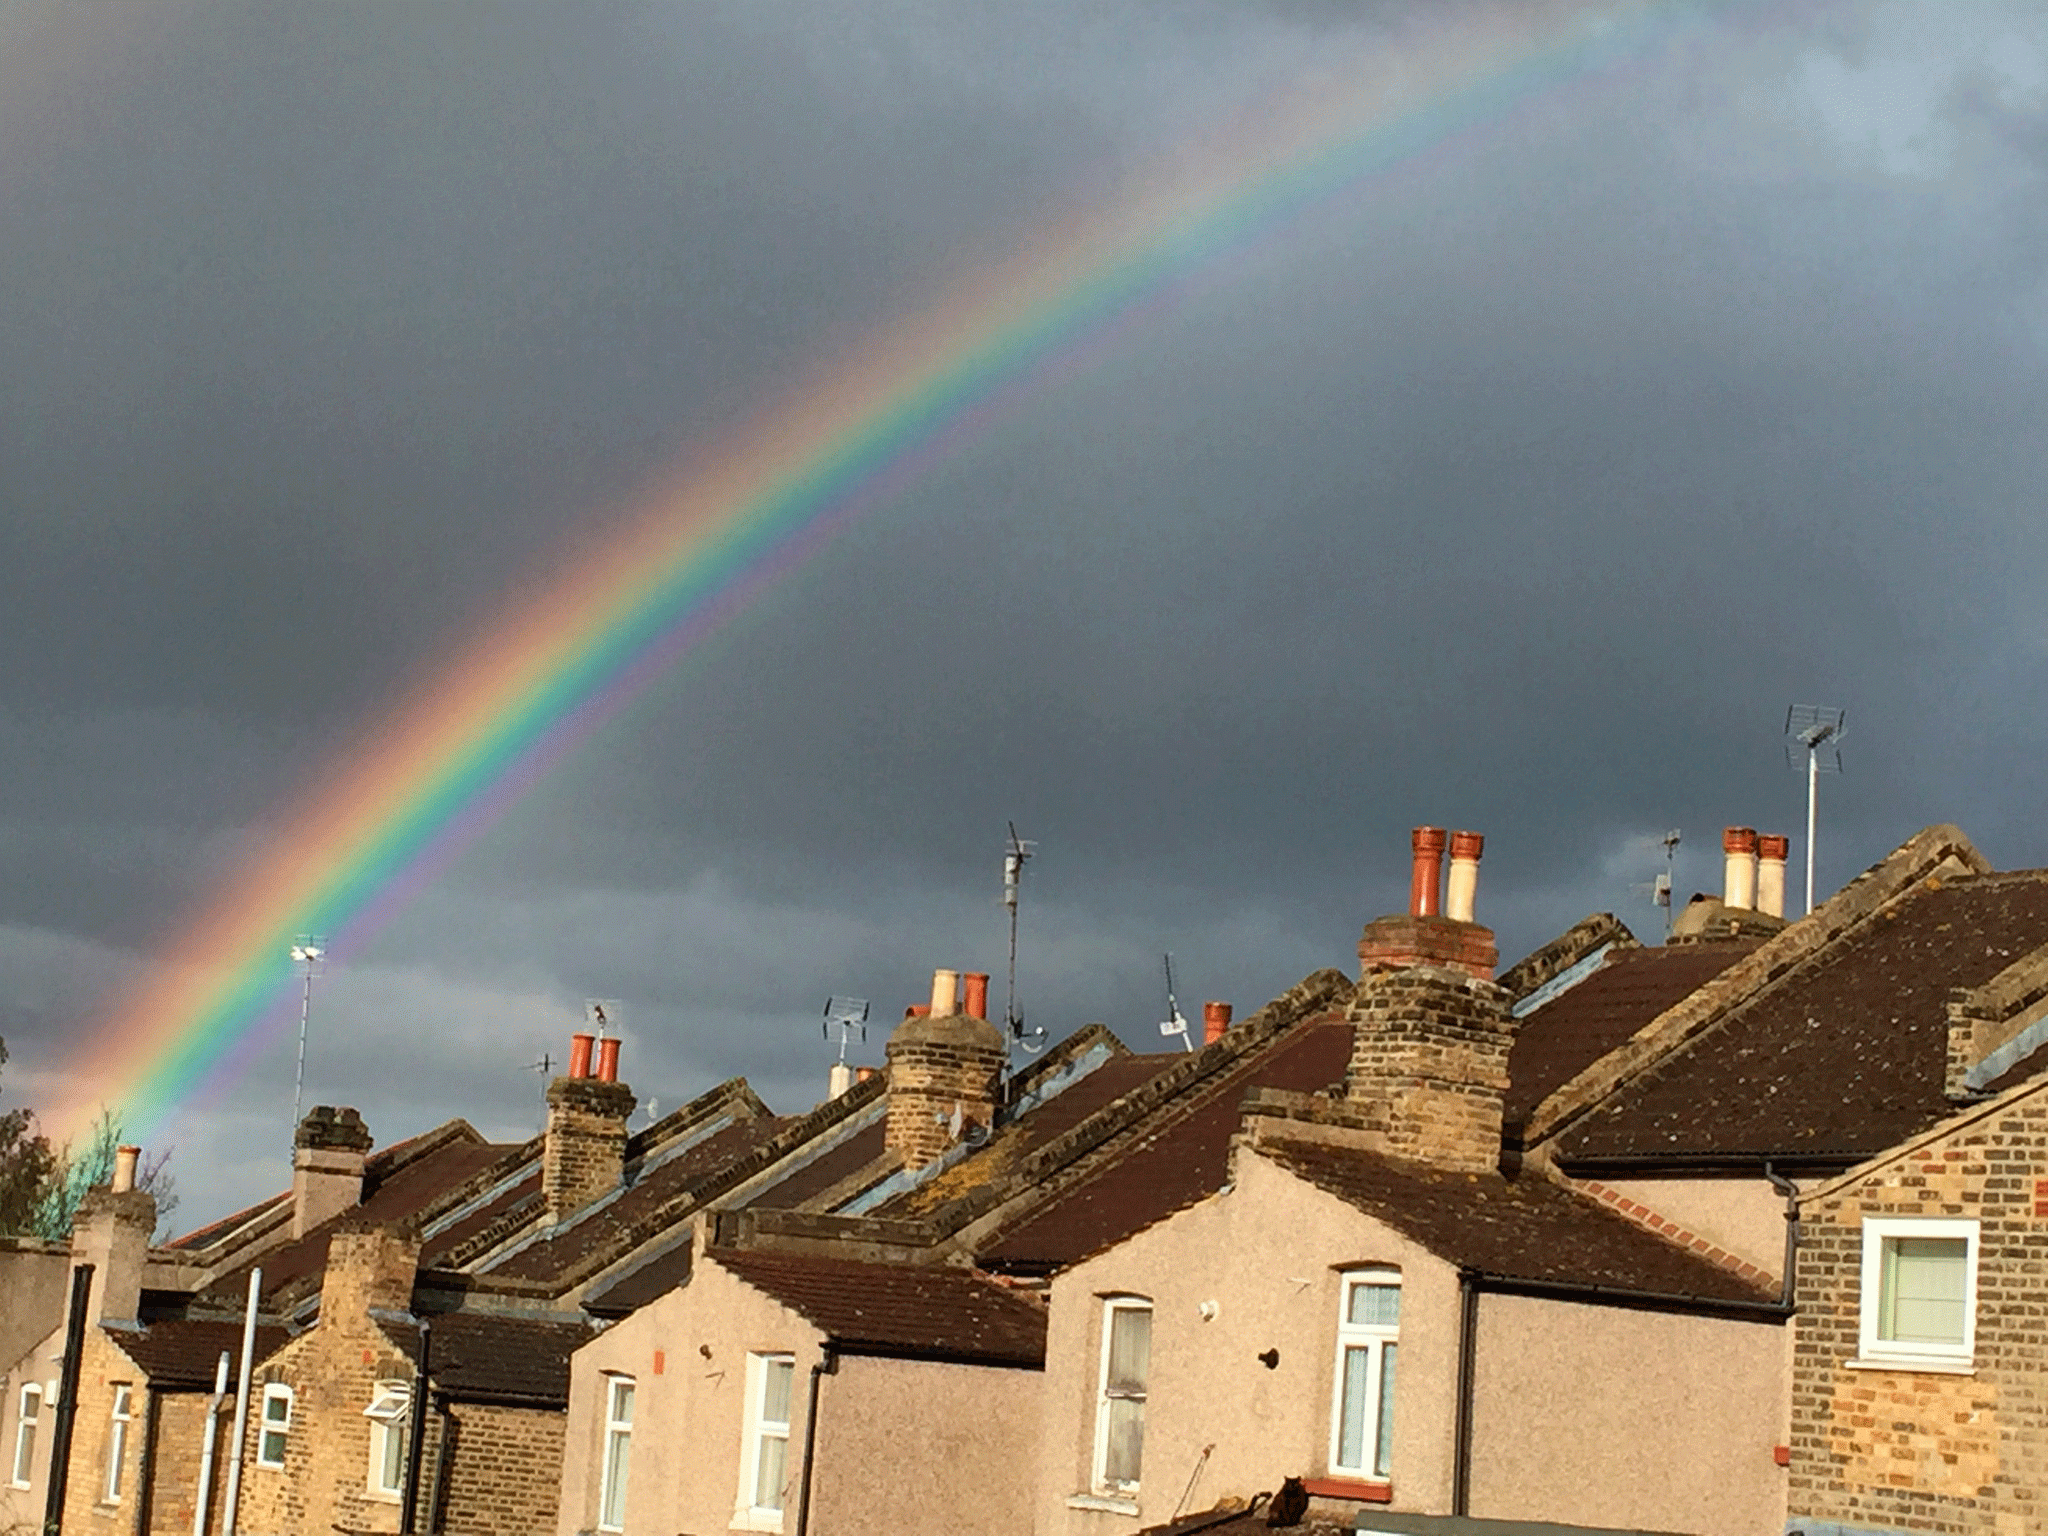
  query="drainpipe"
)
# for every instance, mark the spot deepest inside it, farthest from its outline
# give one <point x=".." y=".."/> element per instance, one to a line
<point x="828" y="1365"/>
<point x="67" y="1401"/>
<point x="152" y="1412"/>
<point x="202" y="1508"/>
<point x="418" y="1437"/>
<point x="1790" y="1191"/>
<point x="231" y="1503"/>
<point x="1468" y="1349"/>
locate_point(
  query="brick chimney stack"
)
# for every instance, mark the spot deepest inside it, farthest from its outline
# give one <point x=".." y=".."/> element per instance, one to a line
<point x="1429" y="1064"/>
<point x="944" y="1070"/>
<point x="1424" y="936"/>
<point x="584" y="1157"/>
<point x="368" y="1269"/>
<point x="329" y="1150"/>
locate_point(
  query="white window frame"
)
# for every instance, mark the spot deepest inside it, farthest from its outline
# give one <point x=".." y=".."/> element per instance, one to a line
<point x="1098" y="1472"/>
<point x="117" y="1440"/>
<point x="760" y="1428"/>
<point x="1374" y="1337"/>
<point x="390" y="1416"/>
<point x="1921" y="1356"/>
<point x="618" y="1433"/>
<point x="266" y="1426"/>
<point x="27" y="1421"/>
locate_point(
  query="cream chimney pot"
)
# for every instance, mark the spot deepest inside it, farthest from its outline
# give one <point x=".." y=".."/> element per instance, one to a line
<point x="1461" y="890"/>
<point x="945" y="993"/>
<point x="1738" y="885"/>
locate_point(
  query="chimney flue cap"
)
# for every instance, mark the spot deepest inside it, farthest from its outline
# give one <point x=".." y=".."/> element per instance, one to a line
<point x="1738" y="840"/>
<point x="1773" y="845"/>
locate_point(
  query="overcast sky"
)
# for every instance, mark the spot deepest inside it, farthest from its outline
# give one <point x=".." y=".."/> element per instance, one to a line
<point x="1519" y="489"/>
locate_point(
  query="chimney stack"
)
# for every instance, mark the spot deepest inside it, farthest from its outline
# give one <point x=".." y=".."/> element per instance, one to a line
<point x="1421" y="936"/>
<point x="584" y="1157"/>
<point x="1429" y="1064"/>
<point x="1771" y="848"/>
<point x="110" y="1231"/>
<point x="1738" y="885"/>
<point x="329" y="1151"/>
<point x="944" y="1071"/>
<point x="1427" y="844"/>
<point x="1215" y="1022"/>
<point x="1463" y="887"/>
<point x="369" y="1269"/>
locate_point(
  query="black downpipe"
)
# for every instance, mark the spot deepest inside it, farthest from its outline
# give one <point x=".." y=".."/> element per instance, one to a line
<point x="444" y="1459"/>
<point x="828" y="1365"/>
<point x="145" y="1482"/>
<point x="1468" y="1351"/>
<point x="417" y="1439"/>
<point x="67" y="1401"/>
<point x="1790" y="1191"/>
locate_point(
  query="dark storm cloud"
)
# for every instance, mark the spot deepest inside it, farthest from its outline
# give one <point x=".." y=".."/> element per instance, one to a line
<point x="1520" y="487"/>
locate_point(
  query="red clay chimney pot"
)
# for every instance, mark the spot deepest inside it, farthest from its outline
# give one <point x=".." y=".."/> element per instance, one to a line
<point x="1739" y="840"/>
<point x="975" y="984"/>
<point x="608" y="1059"/>
<point x="1426" y="876"/>
<point x="1215" y="1022"/>
<point x="579" y="1054"/>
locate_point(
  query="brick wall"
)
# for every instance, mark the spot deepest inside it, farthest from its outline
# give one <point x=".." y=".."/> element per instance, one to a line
<point x="1922" y="1451"/>
<point x="585" y="1154"/>
<point x="504" y="1470"/>
<point x="1428" y="1065"/>
<point x="941" y="1069"/>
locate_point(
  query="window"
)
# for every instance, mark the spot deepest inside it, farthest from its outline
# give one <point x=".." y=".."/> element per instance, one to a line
<point x="618" y="1452"/>
<point x="117" y="1439"/>
<point x="1362" y="1400"/>
<point x="1120" y="1404"/>
<point x="1919" y="1301"/>
<point x="276" y="1427"/>
<point x="25" y="1423"/>
<point x="769" y="1381"/>
<point x="390" y="1414"/>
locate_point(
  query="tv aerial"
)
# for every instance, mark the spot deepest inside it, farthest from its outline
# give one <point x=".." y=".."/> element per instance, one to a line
<point x="1816" y="730"/>
<point x="601" y="1014"/>
<point x="845" y="1014"/>
<point x="1175" y="1024"/>
<point x="1017" y="852"/>
<point x="310" y="954"/>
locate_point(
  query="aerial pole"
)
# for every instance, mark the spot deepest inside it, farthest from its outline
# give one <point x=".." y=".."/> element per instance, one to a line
<point x="1016" y="854"/>
<point x="309" y="953"/>
<point x="1819" y="730"/>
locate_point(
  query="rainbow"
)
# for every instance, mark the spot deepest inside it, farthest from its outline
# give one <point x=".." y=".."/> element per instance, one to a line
<point x="532" y="686"/>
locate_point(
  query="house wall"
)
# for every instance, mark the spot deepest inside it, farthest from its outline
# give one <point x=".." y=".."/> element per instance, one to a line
<point x="1610" y="1417"/>
<point x="39" y="1363"/>
<point x="35" y="1283"/>
<point x="912" y="1445"/>
<point x="1267" y="1252"/>
<point x="687" y="1354"/>
<point x="1743" y="1215"/>
<point x="1919" y="1450"/>
<point x="504" y="1469"/>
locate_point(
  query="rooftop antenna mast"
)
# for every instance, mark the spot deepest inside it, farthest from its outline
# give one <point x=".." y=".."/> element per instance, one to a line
<point x="1016" y="854"/>
<point x="310" y="954"/>
<point x="600" y="1013"/>
<point x="1817" y="729"/>
<point x="1663" y="892"/>
<point x="1175" y="1024"/>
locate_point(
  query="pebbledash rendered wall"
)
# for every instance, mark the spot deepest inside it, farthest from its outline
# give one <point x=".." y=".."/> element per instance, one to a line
<point x="903" y="1447"/>
<point x="1908" y="1450"/>
<point x="1598" y="1415"/>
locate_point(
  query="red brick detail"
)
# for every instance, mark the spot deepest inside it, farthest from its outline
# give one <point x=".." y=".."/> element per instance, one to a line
<point x="1349" y="1488"/>
<point x="1642" y="1215"/>
<point x="1782" y="1455"/>
<point x="2040" y="1198"/>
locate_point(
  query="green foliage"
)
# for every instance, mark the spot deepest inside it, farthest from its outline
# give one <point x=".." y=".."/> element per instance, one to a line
<point x="72" y="1175"/>
<point x="27" y="1165"/>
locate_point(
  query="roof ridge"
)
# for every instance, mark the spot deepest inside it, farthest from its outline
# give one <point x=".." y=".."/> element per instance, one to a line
<point x="1929" y="855"/>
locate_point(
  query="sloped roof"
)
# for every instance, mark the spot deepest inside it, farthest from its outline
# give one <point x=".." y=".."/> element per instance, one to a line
<point x="841" y="1161"/>
<point x="184" y="1352"/>
<point x="493" y="1355"/>
<point x="1181" y="1157"/>
<point x="1841" y="1057"/>
<point x="1557" y="1041"/>
<point x="924" y="1310"/>
<point x="1530" y="1228"/>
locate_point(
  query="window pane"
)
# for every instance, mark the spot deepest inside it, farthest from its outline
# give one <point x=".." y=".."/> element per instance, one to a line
<point x="768" y="1472"/>
<point x="1130" y="1349"/>
<point x="1351" y="1424"/>
<point x="618" y="1448"/>
<point x="273" y="1446"/>
<point x="1126" y="1448"/>
<point x="622" y="1402"/>
<point x="277" y="1409"/>
<point x="1383" y="1459"/>
<point x="1923" y="1290"/>
<point x="775" y="1381"/>
<point x="393" y="1469"/>
<point x="1378" y="1305"/>
<point x="25" y="1451"/>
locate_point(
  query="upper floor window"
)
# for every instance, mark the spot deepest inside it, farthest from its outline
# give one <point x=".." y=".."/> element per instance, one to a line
<point x="1919" y="1295"/>
<point x="26" y="1422"/>
<point x="276" y="1427"/>
<point x="1120" y="1394"/>
<point x="390" y="1414"/>
<point x="1362" y="1402"/>
<point x="770" y="1380"/>
<point x="117" y="1439"/>
<point x="618" y="1453"/>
